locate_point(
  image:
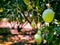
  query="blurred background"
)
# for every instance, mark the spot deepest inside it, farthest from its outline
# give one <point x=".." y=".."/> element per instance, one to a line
<point x="20" y="20"/>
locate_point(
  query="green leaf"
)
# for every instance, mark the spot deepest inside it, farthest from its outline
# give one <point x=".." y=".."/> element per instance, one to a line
<point x="57" y="29"/>
<point x="27" y="2"/>
<point x="44" y="0"/>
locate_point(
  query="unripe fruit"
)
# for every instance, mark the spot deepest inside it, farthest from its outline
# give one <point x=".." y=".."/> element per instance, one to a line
<point x="48" y="15"/>
<point x="33" y="24"/>
<point x="38" y="38"/>
<point x="39" y="32"/>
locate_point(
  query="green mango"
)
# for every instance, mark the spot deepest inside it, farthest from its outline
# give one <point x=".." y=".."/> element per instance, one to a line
<point x="48" y="15"/>
<point x="38" y="38"/>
